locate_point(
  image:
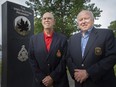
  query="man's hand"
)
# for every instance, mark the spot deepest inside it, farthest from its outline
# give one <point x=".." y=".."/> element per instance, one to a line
<point x="80" y="75"/>
<point x="47" y="81"/>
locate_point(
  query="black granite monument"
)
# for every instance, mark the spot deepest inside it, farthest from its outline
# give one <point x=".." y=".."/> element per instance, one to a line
<point x="17" y="27"/>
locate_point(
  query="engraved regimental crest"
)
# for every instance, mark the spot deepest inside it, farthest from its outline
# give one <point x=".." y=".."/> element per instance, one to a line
<point x="22" y="25"/>
<point x="23" y="54"/>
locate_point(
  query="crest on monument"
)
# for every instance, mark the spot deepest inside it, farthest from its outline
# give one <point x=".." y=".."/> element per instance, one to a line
<point x="23" y="54"/>
<point x="22" y="25"/>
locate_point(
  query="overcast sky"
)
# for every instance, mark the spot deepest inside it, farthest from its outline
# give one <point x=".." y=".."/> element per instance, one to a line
<point x="108" y="14"/>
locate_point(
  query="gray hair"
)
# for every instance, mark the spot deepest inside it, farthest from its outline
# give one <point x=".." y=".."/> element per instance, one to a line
<point x="87" y="12"/>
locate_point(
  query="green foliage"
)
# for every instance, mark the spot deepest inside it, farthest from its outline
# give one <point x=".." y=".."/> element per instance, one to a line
<point x="37" y="25"/>
<point x="65" y="12"/>
<point x="113" y="27"/>
<point x="115" y="69"/>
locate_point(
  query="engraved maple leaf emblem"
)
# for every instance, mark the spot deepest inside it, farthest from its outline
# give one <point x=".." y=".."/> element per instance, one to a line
<point x="23" y="25"/>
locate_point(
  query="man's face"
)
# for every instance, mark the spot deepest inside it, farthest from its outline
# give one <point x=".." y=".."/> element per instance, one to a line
<point x="85" y="21"/>
<point x="48" y="21"/>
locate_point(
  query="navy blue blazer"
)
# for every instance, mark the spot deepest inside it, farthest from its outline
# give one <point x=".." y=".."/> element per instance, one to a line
<point x="99" y="58"/>
<point x="51" y="63"/>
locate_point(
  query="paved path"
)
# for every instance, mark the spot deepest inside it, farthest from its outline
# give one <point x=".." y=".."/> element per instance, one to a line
<point x="71" y="81"/>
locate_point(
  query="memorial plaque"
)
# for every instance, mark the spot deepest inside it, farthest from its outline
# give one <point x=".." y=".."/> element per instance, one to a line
<point x="17" y="27"/>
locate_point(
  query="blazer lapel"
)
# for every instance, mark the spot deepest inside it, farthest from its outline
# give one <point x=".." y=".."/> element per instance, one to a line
<point x="90" y="42"/>
<point x="54" y="40"/>
<point x="42" y="43"/>
<point x="79" y="45"/>
<point x="53" y="43"/>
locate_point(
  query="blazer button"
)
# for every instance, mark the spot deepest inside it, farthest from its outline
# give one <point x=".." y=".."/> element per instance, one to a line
<point x="82" y="65"/>
<point x="48" y="64"/>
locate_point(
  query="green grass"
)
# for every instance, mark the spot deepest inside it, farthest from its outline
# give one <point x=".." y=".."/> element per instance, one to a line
<point x="115" y="69"/>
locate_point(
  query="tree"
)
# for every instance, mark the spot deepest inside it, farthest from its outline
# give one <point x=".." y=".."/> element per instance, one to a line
<point x="65" y="12"/>
<point x="112" y="26"/>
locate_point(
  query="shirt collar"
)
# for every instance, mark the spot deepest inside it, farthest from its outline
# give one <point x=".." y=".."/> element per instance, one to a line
<point x="50" y="36"/>
<point x="88" y="31"/>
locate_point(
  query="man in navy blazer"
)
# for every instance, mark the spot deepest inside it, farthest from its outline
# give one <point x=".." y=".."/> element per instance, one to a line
<point x="91" y="54"/>
<point x="46" y="56"/>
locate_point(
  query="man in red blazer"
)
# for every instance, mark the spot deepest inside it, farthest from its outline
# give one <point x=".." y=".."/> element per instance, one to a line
<point x="91" y="54"/>
<point x="46" y="56"/>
